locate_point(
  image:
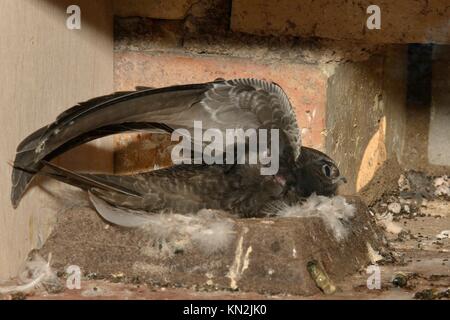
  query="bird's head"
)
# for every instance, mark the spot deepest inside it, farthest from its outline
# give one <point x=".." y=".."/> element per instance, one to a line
<point x="317" y="172"/>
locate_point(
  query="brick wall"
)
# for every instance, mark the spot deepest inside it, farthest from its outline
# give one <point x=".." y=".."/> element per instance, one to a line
<point x="402" y="21"/>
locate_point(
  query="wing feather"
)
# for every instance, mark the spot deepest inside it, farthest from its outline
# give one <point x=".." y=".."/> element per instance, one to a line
<point x="231" y="104"/>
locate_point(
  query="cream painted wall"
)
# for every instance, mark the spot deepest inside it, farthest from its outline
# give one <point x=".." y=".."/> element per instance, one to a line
<point x="46" y="68"/>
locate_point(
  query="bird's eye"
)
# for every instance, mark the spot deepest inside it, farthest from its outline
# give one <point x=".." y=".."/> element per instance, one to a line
<point x="326" y="170"/>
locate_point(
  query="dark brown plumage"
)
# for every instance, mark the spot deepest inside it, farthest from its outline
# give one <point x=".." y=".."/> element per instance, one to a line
<point x="240" y="103"/>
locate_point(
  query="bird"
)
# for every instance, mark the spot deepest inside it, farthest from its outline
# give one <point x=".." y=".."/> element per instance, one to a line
<point x="245" y="103"/>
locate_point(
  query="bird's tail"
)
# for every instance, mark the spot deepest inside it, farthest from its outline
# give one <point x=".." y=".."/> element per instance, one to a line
<point x="25" y="166"/>
<point x="142" y="109"/>
<point x="80" y="180"/>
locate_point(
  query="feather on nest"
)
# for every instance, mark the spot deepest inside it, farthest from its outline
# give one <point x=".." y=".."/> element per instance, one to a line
<point x="212" y="230"/>
<point x="209" y="230"/>
<point x="334" y="211"/>
<point x="36" y="273"/>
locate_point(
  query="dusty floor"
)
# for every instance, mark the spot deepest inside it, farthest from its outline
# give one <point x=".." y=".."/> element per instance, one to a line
<point x="415" y="215"/>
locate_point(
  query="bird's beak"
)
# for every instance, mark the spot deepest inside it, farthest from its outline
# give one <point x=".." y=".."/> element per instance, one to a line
<point x="340" y="180"/>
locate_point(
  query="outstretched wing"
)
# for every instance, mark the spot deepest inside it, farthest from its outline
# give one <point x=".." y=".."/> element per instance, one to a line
<point x="232" y="104"/>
